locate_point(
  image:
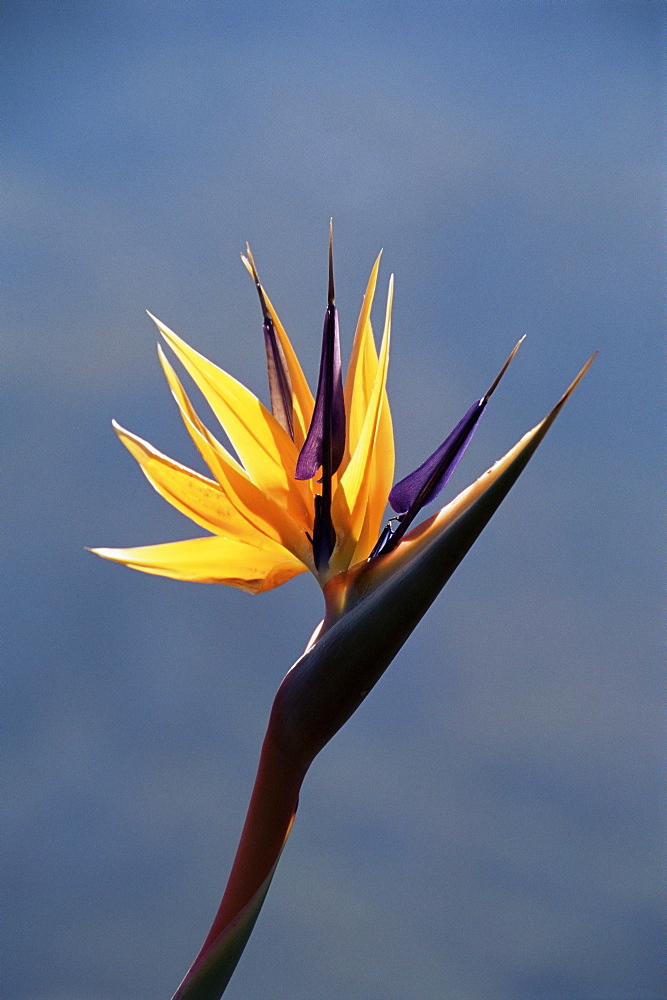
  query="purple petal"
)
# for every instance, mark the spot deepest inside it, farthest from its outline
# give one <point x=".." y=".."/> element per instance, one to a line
<point x="384" y="542"/>
<point x="280" y="384"/>
<point x="325" y="443"/>
<point x="424" y="484"/>
<point x="324" y="535"/>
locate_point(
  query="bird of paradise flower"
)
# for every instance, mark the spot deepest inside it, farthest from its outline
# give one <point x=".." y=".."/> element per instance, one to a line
<point x="308" y="491"/>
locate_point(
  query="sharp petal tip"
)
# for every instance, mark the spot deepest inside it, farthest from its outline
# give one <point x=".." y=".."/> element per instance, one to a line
<point x="165" y="364"/>
<point x="164" y="330"/>
<point x="576" y="380"/>
<point x="508" y="362"/>
<point x="251" y="260"/>
<point x="331" y="273"/>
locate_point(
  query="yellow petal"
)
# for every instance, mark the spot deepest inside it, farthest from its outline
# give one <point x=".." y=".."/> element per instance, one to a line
<point x="380" y="478"/>
<point x="267" y="452"/>
<point x="362" y="368"/>
<point x="351" y="498"/>
<point x="199" y="498"/>
<point x="302" y="397"/>
<point x="251" y="503"/>
<point x="212" y="451"/>
<point x="212" y="560"/>
<point x="359" y="384"/>
<point x="380" y="471"/>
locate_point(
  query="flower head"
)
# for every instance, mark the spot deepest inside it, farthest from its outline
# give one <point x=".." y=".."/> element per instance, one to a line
<point x="306" y="491"/>
<point x="312" y="476"/>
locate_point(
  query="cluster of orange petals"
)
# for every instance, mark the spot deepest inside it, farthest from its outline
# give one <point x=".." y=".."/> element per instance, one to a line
<point x="257" y="514"/>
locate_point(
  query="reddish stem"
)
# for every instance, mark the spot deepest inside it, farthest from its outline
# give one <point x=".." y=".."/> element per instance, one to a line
<point x="273" y="803"/>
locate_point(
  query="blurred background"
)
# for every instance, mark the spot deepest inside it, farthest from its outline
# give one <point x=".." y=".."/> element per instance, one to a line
<point x="489" y="824"/>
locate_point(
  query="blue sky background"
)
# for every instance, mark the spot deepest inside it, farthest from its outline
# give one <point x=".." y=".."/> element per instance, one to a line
<point x="489" y="825"/>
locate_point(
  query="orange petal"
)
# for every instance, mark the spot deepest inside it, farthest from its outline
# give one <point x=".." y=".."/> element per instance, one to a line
<point x="350" y="500"/>
<point x="267" y="452"/>
<point x="362" y="368"/>
<point x="253" y="504"/>
<point x="212" y="560"/>
<point x="199" y="498"/>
